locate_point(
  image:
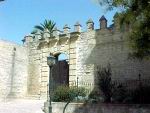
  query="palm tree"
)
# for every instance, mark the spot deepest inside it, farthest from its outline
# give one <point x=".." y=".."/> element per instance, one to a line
<point x="48" y="24"/>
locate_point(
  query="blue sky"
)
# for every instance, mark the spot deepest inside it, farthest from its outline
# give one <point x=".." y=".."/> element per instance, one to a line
<point x="18" y="17"/>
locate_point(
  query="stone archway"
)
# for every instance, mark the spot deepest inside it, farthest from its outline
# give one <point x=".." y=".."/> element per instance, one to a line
<point x="66" y="46"/>
<point x="38" y="53"/>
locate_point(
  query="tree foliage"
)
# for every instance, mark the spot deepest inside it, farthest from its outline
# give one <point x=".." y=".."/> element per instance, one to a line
<point x="48" y="24"/>
<point x="135" y="13"/>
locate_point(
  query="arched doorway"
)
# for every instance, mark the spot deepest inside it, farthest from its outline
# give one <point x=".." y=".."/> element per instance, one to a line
<point x="61" y="70"/>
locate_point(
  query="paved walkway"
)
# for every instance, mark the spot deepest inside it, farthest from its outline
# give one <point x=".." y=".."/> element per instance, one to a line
<point x="21" y="106"/>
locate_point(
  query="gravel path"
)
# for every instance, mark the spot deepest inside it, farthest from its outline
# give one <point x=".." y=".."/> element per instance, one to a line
<point x="21" y="106"/>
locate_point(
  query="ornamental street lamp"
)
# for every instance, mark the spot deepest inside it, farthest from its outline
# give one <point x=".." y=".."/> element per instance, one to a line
<point x="51" y="60"/>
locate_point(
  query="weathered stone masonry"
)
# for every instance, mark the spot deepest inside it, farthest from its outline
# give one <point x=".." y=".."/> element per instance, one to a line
<point x="38" y="52"/>
<point x="85" y="51"/>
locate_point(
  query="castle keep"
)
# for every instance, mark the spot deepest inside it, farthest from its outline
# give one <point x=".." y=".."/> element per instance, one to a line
<point x="24" y="70"/>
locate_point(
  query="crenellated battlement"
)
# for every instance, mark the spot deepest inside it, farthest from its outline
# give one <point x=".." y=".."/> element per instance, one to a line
<point x="65" y="33"/>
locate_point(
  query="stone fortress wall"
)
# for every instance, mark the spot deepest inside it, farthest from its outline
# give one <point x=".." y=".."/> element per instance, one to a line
<point x="13" y="70"/>
<point x="105" y="46"/>
<point x="85" y="51"/>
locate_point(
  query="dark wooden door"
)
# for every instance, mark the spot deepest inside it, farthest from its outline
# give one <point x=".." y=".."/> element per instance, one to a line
<point x="60" y="73"/>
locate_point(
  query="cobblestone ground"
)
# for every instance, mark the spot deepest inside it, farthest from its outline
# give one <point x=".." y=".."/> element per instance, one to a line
<point x="21" y="106"/>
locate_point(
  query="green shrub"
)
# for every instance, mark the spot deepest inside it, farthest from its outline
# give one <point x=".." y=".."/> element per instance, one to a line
<point x="105" y="82"/>
<point x="140" y="95"/>
<point x="60" y="94"/>
<point x="119" y="94"/>
<point x="81" y="91"/>
<point x="65" y="93"/>
<point x="94" y="96"/>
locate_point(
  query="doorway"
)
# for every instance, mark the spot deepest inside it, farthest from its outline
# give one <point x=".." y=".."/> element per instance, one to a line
<point x="60" y="70"/>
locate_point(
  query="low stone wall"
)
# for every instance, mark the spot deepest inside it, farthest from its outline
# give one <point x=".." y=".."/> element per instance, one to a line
<point x="100" y="108"/>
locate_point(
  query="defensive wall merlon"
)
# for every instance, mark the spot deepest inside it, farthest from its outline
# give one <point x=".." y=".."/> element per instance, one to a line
<point x="57" y="34"/>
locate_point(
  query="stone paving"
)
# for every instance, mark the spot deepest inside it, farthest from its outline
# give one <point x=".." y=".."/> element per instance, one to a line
<point x="21" y="106"/>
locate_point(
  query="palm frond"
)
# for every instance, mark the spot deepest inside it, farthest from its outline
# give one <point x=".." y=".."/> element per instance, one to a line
<point x="42" y="25"/>
<point x="39" y="27"/>
<point x="47" y="24"/>
<point x="34" y="31"/>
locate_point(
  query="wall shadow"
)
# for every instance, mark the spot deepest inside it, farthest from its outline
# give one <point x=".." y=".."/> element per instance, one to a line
<point x="111" y="48"/>
<point x="100" y="55"/>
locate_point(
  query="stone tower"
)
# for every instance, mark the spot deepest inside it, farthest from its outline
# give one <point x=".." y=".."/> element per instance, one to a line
<point x="103" y="22"/>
